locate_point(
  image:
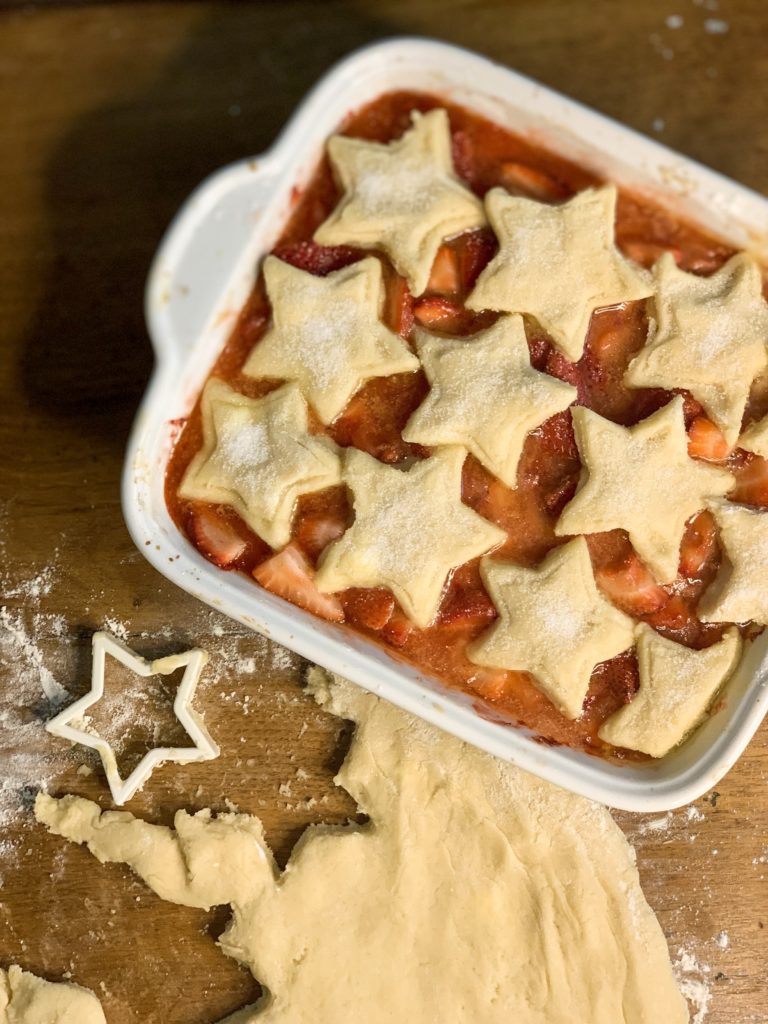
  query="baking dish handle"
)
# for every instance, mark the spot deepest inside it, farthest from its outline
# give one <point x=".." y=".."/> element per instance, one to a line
<point x="206" y="261"/>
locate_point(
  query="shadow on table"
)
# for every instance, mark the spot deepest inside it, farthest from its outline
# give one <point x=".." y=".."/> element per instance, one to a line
<point x="117" y="177"/>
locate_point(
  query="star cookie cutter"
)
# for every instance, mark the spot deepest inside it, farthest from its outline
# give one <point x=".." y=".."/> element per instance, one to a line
<point x="71" y="723"/>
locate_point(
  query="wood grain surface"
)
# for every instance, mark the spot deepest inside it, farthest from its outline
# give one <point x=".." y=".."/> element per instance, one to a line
<point x="111" y="114"/>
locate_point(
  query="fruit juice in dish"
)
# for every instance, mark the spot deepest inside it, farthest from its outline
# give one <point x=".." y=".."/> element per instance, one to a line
<point x="374" y="418"/>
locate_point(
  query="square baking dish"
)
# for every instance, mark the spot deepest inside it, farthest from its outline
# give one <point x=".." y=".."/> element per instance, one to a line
<point x="204" y="271"/>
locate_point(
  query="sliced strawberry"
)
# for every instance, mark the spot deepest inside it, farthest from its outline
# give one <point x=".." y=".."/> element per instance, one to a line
<point x="398" y="630"/>
<point x="463" y="156"/>
<point x="698" y="546"/>
<point x="475" y="250"/>
<point x="646" y="252"/>
<point x="215" y="537"/>
<point x="631" y="587"/>
<point x="673" y="615"/>
<point x="444" y="276"/>
<point x="317" y="259"/>
<point x="705" y="262"/>
<point x="289" y="575"/>
<point x="530" y="181"/>
<point x="557" y="435"/>
<point x="751" y="481"/>
<point x="398" y="309"/>
<point x="607" y="344"/>
<point x="369" y="607"/>
<point x="435" y="311"/>
<point x="467" y="605"/>
<point x="315" y="532"/>
<point x="560" y="493"/>
<point x="539" y="348"/>
<point x="705" y="441"/>
<point x="558" y="366"/>
<point x="490" y="683"/>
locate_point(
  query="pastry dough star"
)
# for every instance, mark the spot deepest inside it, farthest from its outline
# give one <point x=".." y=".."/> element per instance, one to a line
<point x="740" y="591"/>
<point x="710" y="338"/>
<point x="557" y="263"/>
<point x="72" y="723"/>
<point x="258" y="457"/>
<point x="677" y="685"/>
<point x="640" y="479"/>
<point x="404" y="197"/>
<point x="755" y="438"/>
<point x="554" y="623"/>
<point x="326" y="333"/>
<point x="410" y="530"/>
<point x="485" y="395"/>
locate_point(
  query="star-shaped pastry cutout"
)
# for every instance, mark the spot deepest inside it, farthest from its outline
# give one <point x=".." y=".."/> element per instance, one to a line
<point x="642" y="480"/>
<point x="557" y="263"/>
<point x="553" y="622"/>
<point x="755" y="438"/>
<point x="326" y="334"/>
<point x="404" y="197"/>
<point x="258" y="457"/>
<point x="740" y="590"/>
<point x="485" y="395"/>
<point x="410" y="530"/>
<point x="72" y="723"/>
<point x="677" y="685"/>
<point x="710" y="338"/>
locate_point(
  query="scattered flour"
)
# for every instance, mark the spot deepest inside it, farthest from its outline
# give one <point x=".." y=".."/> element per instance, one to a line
<point x="35" y="655"/>
<point x="692" y="977"/>
<point x="656" y="825"/>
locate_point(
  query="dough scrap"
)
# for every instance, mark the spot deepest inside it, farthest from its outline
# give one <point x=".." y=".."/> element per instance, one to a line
<point x="484" y="394"/>
<point x="404" y="197"/>
<point x="711" y="338"/>
<point x="475" y="893"/>
<point x="557" y="263"/>
<point x="677" y="685"/>
<point x="27" y="999"/>
<point x="642" y="480"/>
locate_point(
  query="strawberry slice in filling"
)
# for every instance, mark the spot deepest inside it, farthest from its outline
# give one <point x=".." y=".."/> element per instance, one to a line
<point x="289" y="575"/>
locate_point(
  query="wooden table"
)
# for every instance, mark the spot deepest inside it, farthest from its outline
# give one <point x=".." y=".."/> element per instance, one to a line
<point x="111" y="114"/>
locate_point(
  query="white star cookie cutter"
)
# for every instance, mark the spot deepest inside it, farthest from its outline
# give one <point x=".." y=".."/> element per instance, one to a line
<point x="71" y="723"/>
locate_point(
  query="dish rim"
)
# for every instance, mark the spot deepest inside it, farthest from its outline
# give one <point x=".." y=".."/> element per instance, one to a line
<point x="199" y="279"/>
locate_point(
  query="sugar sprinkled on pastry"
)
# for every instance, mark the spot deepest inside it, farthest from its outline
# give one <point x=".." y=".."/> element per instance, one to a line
<point x="475" y="893"/>
<point x="677" y="685"/>
<point x="404" y="197"/>
<point x="553" y="622"/>
<point x="485" y="394"/>
<point x="740" y="590"/>
<point x="411" y="529"/>
<point x="711" y="337"/>
<point x="326" y="333"/>
<point x="258" y="457"/>
<point x="642" y="480"/>
<point x="755" y="438"/>
<point x="557" y="263"/>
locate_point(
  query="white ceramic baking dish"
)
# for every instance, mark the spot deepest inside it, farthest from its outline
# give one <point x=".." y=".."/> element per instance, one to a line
<point x="200" y="279"/>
